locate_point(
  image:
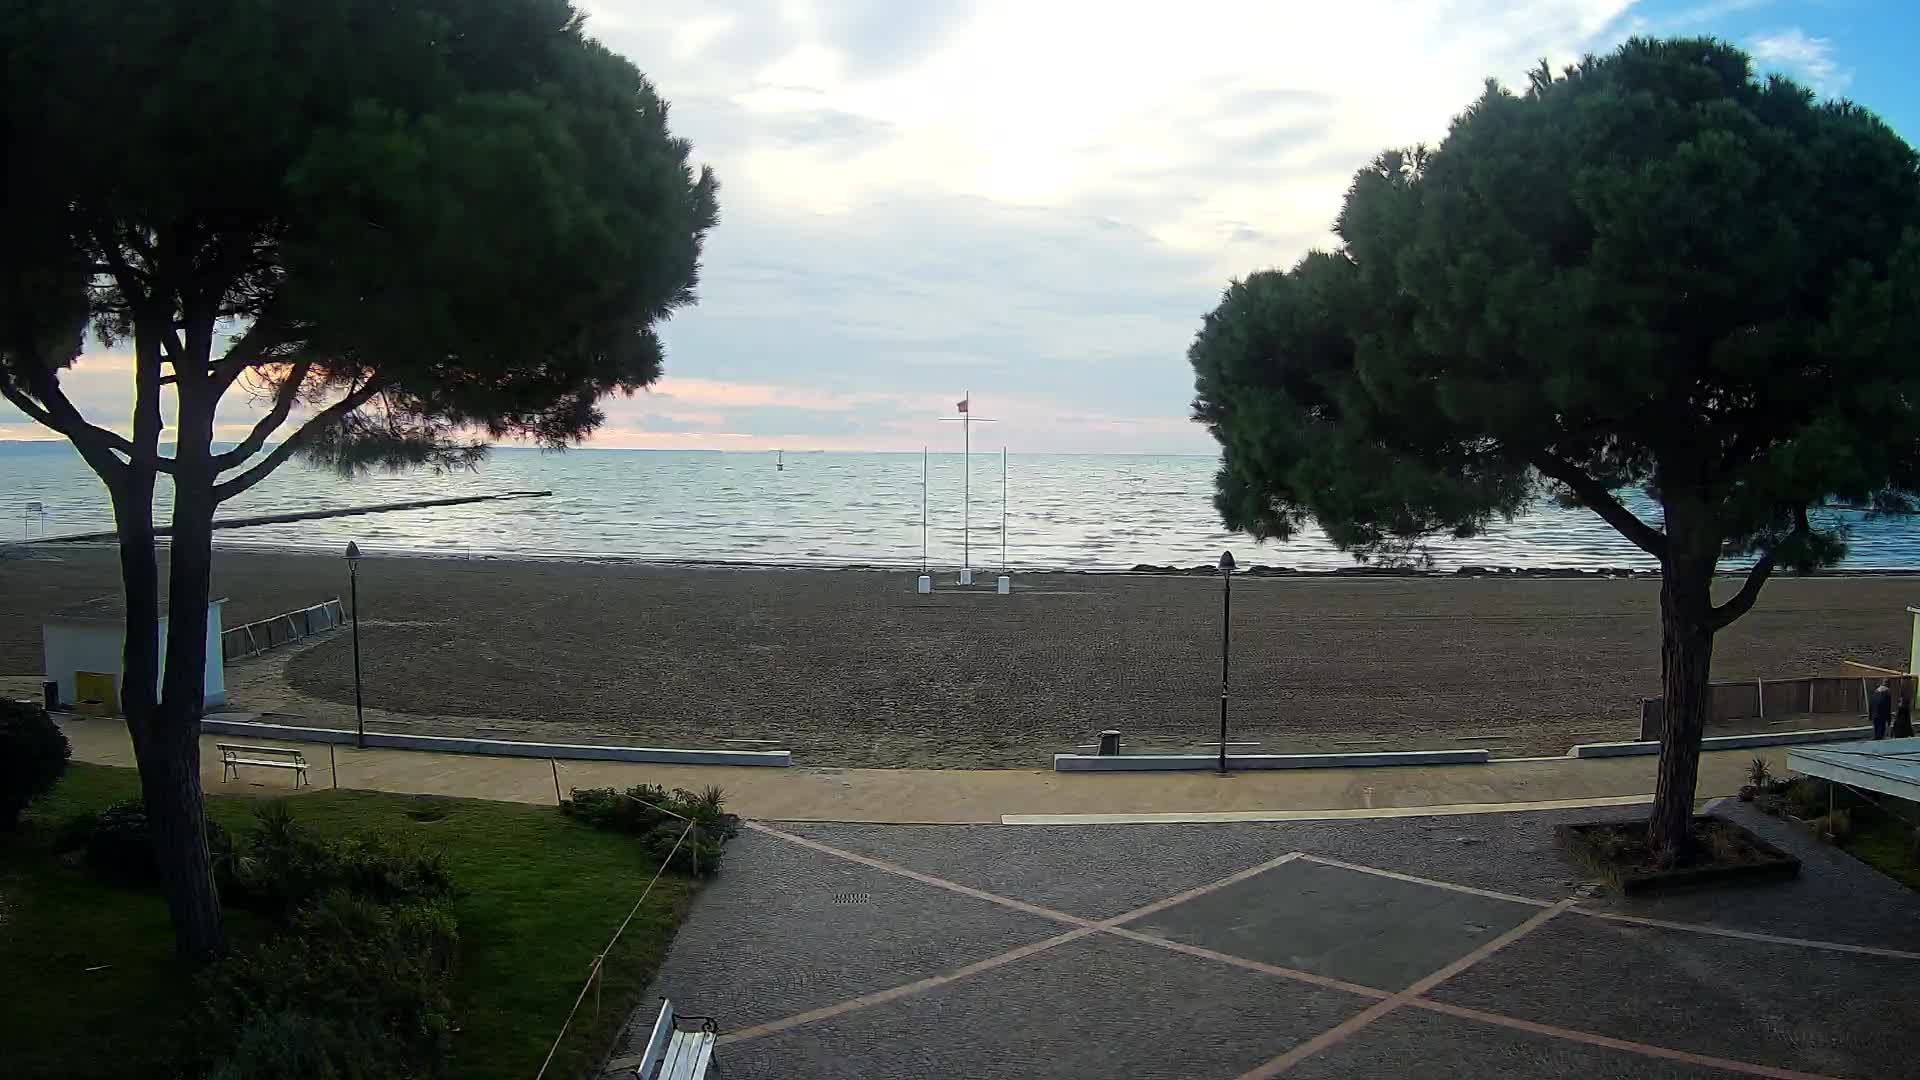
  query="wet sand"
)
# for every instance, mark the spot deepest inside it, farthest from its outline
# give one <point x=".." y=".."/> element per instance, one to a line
<point x="852" y="668"/>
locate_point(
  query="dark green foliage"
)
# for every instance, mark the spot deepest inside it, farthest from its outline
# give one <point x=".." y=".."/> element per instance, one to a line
<point x="659" y="818"/>
<point x="427" y="226"/>
<point x="1650" y="271"/>
<point x="117" y="842"/>
<point x="282" y="867"/>
<point x="33" y="757"/>
<point x="354" y="988"/>
<point x="467" y="202"/>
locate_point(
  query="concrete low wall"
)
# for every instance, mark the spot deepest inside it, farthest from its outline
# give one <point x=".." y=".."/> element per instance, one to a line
<point x="1243" y="762"/>
<point x="656" y="755"/>
<point x="1724" y="742"/>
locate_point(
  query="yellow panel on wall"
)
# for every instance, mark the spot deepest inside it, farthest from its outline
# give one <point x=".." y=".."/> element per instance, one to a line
<point x="94" y="693"/>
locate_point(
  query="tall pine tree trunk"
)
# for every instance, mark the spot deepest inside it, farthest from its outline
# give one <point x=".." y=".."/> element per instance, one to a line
<point x="179" y="818"/>
<point x="1686" y="668"/>
<point x="163" y="717"/>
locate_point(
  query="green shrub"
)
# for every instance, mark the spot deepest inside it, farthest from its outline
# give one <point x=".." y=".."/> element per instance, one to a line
<point x="1807" y="797"/>
<point x="353" y="988"/>
<point x="281" y="867"/>
<point x="33" y="757"/>
<point x="1759" y="772"/>
<point x="1838" y="826"/>
<point x="118" y="843"/>
<point x="659" y="817"/>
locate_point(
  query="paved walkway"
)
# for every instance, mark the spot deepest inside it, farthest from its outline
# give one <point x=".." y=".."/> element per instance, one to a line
<point x="956" y="795"/>
<point x="1438" y="947"/>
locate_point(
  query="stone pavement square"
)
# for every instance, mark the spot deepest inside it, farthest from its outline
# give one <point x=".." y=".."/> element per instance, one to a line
<point x="1780" y="1005"/>
<point x="1361" y="928"/>
<point x="1094" y="1009"/>
<point x="782" y="929"/>
<point x="1413" y="1044"/>
<point x="832" y="951"/>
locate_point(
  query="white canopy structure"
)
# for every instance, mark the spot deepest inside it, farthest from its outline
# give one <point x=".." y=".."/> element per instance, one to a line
<point x="1888" y="766"/>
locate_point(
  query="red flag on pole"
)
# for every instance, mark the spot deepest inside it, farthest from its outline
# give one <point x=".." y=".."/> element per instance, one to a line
<point x="962" y="405"/>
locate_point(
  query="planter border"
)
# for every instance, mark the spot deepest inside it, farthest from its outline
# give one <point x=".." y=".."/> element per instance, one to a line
<point x="1781" y="866"/>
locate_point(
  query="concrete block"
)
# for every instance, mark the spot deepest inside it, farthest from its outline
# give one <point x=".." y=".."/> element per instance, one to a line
<point x="1247" y="762"/>
<point x="1724" y="742"/>
<point x="502" y="747"/>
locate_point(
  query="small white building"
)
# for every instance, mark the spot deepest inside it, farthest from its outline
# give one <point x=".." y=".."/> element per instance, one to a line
<point x="91" y="638"/>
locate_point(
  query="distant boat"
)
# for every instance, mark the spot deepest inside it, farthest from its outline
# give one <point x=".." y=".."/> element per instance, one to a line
<point x="780" y="462"/>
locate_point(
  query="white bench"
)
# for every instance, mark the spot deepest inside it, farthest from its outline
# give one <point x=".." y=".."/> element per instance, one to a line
<point x="234" y="755"/>
<point x="673" y="1054"/>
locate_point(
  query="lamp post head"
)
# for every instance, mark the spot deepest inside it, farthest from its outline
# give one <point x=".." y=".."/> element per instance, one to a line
<point x="1226" y="562"/>
<point x="353" y="552"/>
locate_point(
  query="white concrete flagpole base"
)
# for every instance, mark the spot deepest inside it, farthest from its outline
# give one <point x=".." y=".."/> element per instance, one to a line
<point x="966" y="577"/>
<point x="924" y="585"/>
<point x="1005" y="586"/>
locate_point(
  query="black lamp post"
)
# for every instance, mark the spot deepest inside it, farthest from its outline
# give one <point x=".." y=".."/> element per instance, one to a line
<point x="353" y="590"/>
<point x="1226" y="638"/>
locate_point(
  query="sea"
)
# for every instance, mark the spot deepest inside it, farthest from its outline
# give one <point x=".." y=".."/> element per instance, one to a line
<point x="1025" y="512"/>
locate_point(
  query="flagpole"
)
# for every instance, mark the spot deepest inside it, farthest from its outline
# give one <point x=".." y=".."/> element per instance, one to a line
<point x="923" y="510"/>
<point x="966" y="419"/>
<point x="1003" y="509"/>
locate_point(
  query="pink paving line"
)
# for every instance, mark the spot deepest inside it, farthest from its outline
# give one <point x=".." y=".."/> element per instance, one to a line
<point x="1353" y="1024"/>
<point x="924" y="879"/>
<point x="1085" y="927"/>
<point x="1397" y="876"/>
<point x="1405" y="998"/>
<point x="1251" y="965"/>
<point x="895" y="993"/>
<point x="1749" y="935"/>
<point x="1664" y="924"/>
<point x="1627" y="1045"/>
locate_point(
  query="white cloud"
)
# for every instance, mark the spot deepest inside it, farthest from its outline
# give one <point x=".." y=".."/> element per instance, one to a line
<point x="1036" y="200"/>
<point x="1803" y="55"/>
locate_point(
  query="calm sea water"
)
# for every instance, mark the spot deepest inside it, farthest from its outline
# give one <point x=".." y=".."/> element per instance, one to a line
<point x="1061" y="511"/>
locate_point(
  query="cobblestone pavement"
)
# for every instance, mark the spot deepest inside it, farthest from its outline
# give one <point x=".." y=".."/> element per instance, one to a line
<point x="1435" y="947"/>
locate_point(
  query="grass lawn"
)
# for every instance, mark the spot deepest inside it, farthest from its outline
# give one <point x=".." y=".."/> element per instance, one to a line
<point x="92" y="990"/>
<point x="1883" y="834"/>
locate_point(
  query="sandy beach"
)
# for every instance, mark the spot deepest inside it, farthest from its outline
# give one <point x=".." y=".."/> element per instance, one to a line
<point x="851" y="668"/>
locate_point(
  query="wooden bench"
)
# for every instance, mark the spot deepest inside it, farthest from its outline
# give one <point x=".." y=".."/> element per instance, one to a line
<point x="234" y="755"/>
<point x="673" y="1054"/>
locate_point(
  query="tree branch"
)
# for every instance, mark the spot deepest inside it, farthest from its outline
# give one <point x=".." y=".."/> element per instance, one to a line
<point x="1601" y="501"/>
<point x="283" y="400"/>
<point x="250" y="349"/>
<point x="326" y="417"/>
<point x="1742" y="602"/>
<point x="54" y="410"/>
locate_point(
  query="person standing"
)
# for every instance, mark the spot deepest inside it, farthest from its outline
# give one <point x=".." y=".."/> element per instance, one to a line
<point x="1903" y="720"/>
<point x="1880" y="709"/>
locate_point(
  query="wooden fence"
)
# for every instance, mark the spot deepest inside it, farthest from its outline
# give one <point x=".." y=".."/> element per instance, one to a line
<point x="1766" y="700"/>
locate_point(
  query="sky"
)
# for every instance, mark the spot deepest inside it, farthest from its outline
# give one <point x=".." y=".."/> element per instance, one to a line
<point x="1035" y="202"/>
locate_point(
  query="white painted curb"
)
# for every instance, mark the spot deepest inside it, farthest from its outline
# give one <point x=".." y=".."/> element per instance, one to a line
<point x="1248" y="762"/>
<point x="1724" y="742"/>
<point x="1214" y="817"/>
<point x="502" y="747"/>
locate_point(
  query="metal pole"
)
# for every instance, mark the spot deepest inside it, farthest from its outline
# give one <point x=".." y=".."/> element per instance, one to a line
<point x="966" y="486"/>
<point x="333" y="767"/>
<point x="557" y="800"/>
<point x="359" y="707"/>
<point x="1003" y="509"/>
<point x="923" y="509"/>
<point x="1226" y="637"/>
